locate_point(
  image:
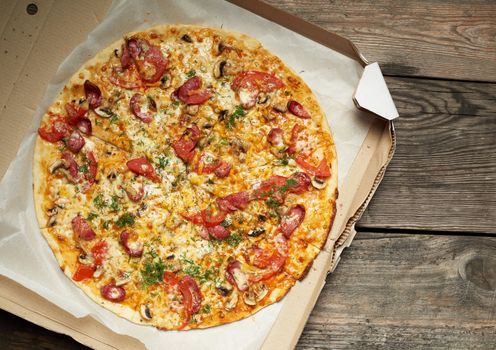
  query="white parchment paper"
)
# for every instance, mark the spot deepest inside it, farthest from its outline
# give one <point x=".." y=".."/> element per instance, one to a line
<point x="24" y="255"/>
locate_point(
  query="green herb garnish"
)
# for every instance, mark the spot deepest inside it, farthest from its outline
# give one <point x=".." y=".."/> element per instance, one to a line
<point x="126" y="219"/>
<point x="83" y="169"/>
<point x="234" y="239"/>
<point x="191" y="73"/>
<point x="153" y="270"/>
<point x="238" y="113"/>
<point x="99" y="201"/>
<point x="91" y="216"/>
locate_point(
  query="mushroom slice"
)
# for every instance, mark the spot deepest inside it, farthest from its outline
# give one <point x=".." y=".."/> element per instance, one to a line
<point x="263" y="98"/>
<point x="224" y="289"/>
<point x="318" y="182"/>
<point x="187" y="38"/>
<point x="232" y="301"/>
<point x="59" y="163"/>
<point x="249" y="298"/>
<point x="280" y="105"/>
<point x="260" y="291"/>
<point x="192" y="110"/>
<point x="104" y="112"/>
<point x="146" y="312"/>
<point x="123" y="279"/>
<point x="166" y="81"/>
<point x="85" y="259"/>
<point x="256" y="232"/>
<point x="52" y="220"/>
<point x="219" y="69"/>
<point x="98" y="272"/>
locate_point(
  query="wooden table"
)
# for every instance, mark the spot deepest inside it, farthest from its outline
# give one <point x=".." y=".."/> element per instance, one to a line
<point x="421" y="272"/>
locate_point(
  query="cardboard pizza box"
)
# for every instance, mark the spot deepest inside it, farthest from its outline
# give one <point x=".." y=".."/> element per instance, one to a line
<point x="28" y="29"/>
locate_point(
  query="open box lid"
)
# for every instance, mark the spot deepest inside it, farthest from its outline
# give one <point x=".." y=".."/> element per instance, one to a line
<point x="17" y="88"/>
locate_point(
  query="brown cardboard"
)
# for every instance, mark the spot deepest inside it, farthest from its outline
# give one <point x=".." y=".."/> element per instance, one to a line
<point x="27" y="66"/>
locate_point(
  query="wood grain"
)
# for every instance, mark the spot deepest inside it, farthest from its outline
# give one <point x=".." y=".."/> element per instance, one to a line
<point x="443" y="175"/>
<point x="443" y="39"/>
<point x="393" y="291"/>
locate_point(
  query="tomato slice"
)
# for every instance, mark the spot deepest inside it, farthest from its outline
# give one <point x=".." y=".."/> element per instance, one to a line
<point x="256" y="80"/>
<point x="170" y="279"/>
<point x="300" y="183"/>
<point x="194" y="218"/>
<point x="322" y="170"/>
<point x="270" y="262"/>
<point x="56" y="130"/>
<point x="192" y="297"/>
<point x="142" y="166"/>
<point x="210" y="219"/>
<point x="268" y="187"/>
<point x="99" y="251"/>
<point x="184" y="147"/>
<point x="75" y="113"/>
<point x="83" y="272"/>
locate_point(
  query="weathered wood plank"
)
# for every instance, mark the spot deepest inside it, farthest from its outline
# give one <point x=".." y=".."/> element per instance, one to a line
<point x="408" y="292"/>
<point x="443" y="175"/>
<point x="444" y="39"/>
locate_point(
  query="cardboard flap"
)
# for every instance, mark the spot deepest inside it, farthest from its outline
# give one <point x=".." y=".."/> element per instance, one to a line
<point x="373" y="95"/>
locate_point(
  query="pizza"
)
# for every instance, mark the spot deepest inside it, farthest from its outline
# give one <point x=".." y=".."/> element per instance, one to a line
<point x="185" y="177"/>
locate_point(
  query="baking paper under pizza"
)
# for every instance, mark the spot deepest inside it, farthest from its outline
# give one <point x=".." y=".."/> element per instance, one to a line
<point x="185" y="177"/>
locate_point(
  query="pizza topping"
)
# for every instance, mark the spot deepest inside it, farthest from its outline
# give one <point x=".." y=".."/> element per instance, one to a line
<point x="292" y="220"/>
<point x="131" y="245"/>
<point x="256" y="293"/>
<point x="190" y="92"/>
<point x="125" y="78"/>
<point x="143" y="107"/>
<point x="294" y="138"/>
<point x="270" y="261"/>
<point x="318" y="183"/>
<point x="194" y="218"/>
<point x="57" y="130"/>
<point x="218" y="232"/>
<point x="93" y="94"/>
<point x="233" y="202"/>
<point x="211" y="219"/>
<point x="83" y="272"/>
<point x="122" y="278"/>
<point x="298" y="110"/>
<point x="255" y="80"/>
<point x="92" y="168"/>
<point x="235" y="276"/>
<point x="249" y="84"/>
<point x="298" y="183"/>
<point x="134" y="194"/>
<point x="256" y="232"/>
<point x="75" y="113"/>
<point x="59" y="163"/>
<point x="219" y="69"/>
<point x="82" y="229"/>
<point x="99" y="252"/>
<point x="190" y="291"/>
<point x="223" y="169"/>
<point x="146" y="312"/>
<point x="147" y="58"/>
<point x="322" y="170"/>
<point x="142" y="166"/>
<point x="84" y="125"/>
<point x="71" y="166"/>
<point x="232" y="301"/>
<point x="280" y="105"/>
<point x="276" y="139"/>
<point x="75" y="141"/>
<point x="113" y="293"/>
<point x="224" y="289"/>
<point x="186" y="38"/>
<point x="184" y="147"/>
<point x="203" y="233"/>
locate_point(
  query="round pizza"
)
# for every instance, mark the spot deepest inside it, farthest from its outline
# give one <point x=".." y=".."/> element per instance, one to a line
<point x="185" y="177"/>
